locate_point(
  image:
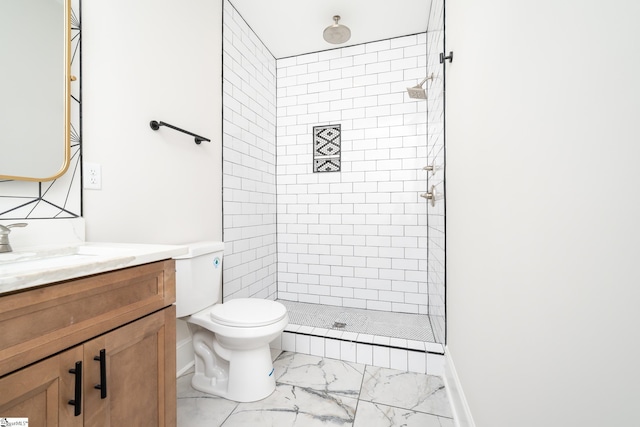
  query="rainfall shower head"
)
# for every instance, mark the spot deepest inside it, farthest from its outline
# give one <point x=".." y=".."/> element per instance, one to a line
<point x="417" y="92"/>
<point x="336" y="33"/>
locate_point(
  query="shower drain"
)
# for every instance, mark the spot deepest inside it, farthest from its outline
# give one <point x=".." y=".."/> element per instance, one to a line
<point x="339" y="325"/>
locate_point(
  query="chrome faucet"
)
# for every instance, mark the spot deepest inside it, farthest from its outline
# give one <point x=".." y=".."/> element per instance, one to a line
<point x="4" y="235"/>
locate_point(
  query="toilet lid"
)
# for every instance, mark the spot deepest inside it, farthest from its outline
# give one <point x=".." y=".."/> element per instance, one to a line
<point x="248" y="312"/>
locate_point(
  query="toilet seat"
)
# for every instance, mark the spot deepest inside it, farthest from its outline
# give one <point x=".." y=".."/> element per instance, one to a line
<point x="248" y="312"/>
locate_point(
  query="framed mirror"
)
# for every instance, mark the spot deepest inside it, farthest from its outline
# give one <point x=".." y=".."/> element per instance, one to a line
<point x="35" y="40"/>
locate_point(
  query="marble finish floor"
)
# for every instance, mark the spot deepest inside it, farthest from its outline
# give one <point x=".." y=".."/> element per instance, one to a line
<point x="312" y="391"/>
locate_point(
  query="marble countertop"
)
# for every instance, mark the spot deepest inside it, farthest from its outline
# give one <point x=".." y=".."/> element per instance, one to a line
<point x="41" y="265"/>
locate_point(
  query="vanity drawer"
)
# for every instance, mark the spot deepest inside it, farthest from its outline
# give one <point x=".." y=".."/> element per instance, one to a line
<point x="38" y="322"/>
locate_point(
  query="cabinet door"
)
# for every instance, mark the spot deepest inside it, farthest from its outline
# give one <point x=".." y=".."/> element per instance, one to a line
<point x="139" y="359"/>
<point x="41" y="392"/>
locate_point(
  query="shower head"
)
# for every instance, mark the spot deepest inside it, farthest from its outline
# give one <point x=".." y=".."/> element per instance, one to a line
<point x="336" y="33"/>
<point x="417" y="92"/>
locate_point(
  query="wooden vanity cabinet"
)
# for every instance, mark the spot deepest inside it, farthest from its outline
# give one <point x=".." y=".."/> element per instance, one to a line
<point x="128" y="367"/>
<point x="139" y="390"/>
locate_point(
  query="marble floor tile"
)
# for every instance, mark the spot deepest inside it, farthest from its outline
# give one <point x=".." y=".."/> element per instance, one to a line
<point x="408" y="390"/>
<point x="317" y="373"/>
<point x="313" y="391"/>
<point x="378" y="415"/>
<point x="197" y="409"/>
<point x="294" y="406"/>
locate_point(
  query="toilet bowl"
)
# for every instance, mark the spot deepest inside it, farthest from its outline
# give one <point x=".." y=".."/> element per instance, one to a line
<point x="230" y="340"/>
<point x="239" y="333"/>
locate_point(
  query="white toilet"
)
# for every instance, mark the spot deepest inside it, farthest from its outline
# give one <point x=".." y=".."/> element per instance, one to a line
<point x="230" y="340"/>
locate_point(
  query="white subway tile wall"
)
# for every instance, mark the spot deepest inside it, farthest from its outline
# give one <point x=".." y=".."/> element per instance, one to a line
<point x="359" y="237"/>
<point x="249" y="159"/>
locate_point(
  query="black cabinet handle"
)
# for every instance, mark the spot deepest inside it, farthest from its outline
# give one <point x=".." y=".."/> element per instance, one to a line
<point x="103" y="373"/>
<point x="77" y="398"/>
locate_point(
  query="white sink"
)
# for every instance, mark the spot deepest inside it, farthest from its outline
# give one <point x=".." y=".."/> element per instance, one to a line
<point x="36" y="266"/>
<point x="6" y="257"/>
<point x="52" y="256"/>
<point x="38" y="263"/>
<point x="95" y="249"/>
<point x="32" y="261"/>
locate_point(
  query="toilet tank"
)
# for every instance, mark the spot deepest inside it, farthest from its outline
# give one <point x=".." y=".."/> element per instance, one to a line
<point x="199" y="277"/>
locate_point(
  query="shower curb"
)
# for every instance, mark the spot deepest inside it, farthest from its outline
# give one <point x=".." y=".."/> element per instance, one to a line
<point x="369" y="353"/>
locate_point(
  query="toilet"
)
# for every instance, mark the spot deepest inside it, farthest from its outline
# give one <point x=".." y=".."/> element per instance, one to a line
<point x="230" y="340"/>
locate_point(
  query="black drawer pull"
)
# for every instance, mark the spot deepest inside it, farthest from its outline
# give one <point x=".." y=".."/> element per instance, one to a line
<point x="103" y="373"/>
<point x="77" y="399"/>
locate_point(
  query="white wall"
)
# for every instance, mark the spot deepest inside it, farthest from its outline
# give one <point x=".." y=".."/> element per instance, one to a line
<point x="152" y="60"/>
<point x="542" y="210"/>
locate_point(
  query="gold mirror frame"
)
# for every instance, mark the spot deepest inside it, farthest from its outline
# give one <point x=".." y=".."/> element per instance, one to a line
<point x="66" y="108"/>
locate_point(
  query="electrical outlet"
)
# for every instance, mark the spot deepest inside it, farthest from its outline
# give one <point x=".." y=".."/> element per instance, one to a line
<point x="92" y="176"/>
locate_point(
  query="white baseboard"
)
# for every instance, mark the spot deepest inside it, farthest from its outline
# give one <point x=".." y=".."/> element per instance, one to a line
<point x="461" y="412"/>
<point x="184" y="356"/>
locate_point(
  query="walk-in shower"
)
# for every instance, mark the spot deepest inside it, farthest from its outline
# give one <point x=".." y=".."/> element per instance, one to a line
<point x="351" y="249"/>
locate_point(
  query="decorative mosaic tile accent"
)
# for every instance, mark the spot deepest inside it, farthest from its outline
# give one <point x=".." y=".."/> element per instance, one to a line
<point x="327" y="140"/>
<point x="326" y="165"/>
<point x="326" y="148"/>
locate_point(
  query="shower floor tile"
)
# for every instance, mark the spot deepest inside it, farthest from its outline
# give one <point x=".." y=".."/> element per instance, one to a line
<point x="416" y="327"/>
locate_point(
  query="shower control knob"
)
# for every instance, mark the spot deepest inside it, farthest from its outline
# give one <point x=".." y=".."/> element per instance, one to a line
<point x="432" y="195"/>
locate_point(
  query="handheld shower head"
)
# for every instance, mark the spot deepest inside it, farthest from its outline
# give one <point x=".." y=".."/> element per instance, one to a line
<point x="417" y="92"/>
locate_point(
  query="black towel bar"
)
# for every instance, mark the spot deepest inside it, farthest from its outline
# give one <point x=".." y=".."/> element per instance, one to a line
<point x="156" y="125"/>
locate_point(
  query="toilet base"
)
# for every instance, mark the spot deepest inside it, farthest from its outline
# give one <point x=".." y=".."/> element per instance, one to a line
<point x="249" y="376"/>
